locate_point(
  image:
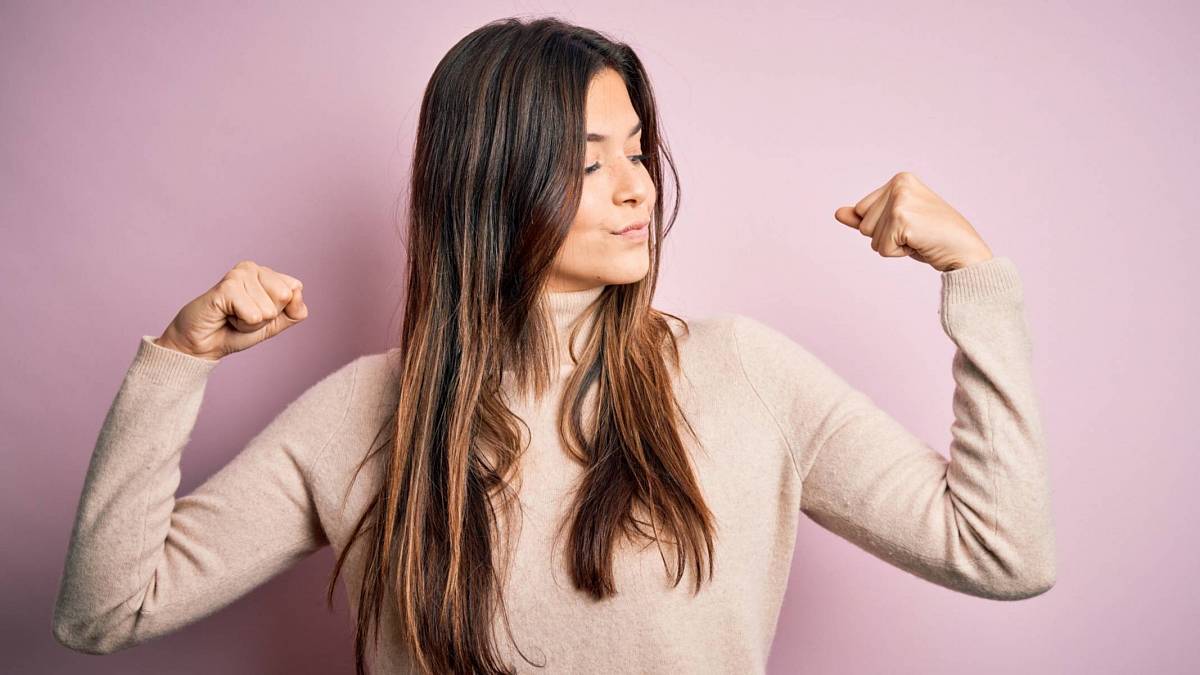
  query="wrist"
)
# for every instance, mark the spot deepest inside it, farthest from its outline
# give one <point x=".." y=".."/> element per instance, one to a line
<point x="166" y="342"/>
<point x="974" y="259"/>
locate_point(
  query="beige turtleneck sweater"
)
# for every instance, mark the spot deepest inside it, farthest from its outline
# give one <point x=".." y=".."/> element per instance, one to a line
<point x="784" y="435"/>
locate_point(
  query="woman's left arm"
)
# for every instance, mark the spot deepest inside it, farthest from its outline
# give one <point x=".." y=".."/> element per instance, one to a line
<point x="979" y="523"/>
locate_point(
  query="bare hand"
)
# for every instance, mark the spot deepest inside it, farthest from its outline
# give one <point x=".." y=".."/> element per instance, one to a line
<point x="903" y="217"/>
<point x="251" y="303"/>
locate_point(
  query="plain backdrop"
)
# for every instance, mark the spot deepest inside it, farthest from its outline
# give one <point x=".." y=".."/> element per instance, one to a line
<point x="147" y="147"/>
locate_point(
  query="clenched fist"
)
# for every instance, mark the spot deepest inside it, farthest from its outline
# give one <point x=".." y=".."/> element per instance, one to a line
<point x="248" y="305"/>
<point x="903" y="217"/>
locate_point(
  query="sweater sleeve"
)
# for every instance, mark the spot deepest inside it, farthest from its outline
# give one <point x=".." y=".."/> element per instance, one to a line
<point x="979" y="523"/>
<point x="141" y="562"/>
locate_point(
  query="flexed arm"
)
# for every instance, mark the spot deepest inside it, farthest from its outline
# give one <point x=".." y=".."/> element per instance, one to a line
<point x="979" y="523"/>
<point x="142" y="563"/>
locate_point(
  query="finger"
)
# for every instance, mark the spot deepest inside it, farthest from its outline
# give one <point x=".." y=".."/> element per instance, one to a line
<point x="285" y="293"/>
<point x="867" y="202"/>
<point x="887" y="244"/>
<point x="276" y="287"/>
<point x="872" y="215"/>
<point x="234" y="303"/>
<point x="885" y="227"/>
<point x="846" y="216"/>
<point x="292" y="282"/>
<point x="259" y="296"/>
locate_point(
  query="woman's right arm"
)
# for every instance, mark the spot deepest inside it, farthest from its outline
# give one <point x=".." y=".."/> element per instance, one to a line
<point x="141" y="562"/>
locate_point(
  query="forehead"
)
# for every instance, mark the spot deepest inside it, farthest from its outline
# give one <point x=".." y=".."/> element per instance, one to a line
<point x="610" y="112"/>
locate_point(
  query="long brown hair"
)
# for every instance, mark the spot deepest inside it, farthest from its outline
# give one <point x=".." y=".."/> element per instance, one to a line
<point x="497" y="177"/>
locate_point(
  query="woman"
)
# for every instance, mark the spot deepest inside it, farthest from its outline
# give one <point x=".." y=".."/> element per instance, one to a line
<point x="547" y="471"/>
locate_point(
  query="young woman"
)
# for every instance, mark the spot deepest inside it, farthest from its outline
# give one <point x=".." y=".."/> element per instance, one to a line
<point x="546" y="471"/>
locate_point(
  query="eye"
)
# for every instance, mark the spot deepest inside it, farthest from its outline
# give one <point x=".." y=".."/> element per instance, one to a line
<point x="638" y="159"/>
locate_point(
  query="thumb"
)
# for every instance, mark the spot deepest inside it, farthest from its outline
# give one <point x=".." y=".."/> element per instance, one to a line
<point x="295" y="311"/>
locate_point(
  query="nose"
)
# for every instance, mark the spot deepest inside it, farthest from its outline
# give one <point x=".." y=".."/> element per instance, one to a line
<point x="633" y="185"/>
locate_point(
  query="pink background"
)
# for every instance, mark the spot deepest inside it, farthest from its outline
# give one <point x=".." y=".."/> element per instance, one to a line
<point x="145" y="149"/>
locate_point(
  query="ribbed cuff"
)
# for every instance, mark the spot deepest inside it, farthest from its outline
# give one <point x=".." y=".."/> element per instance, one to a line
<point x="166" y="366"/>
<point x="992" y="277"/>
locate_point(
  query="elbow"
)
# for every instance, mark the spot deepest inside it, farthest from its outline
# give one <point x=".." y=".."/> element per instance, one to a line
<point x="80" y="635"/>
<point x="1029" y="571"/>
<point x="1020" y="587"/>
<point x="1013" y="578"/>
<point x="1043" y="577"/>
<point x="1034" y="579"/>
<point x="1041" y="571"/>
<point x="1033" y="585"/>
<point x="78" y="640"/>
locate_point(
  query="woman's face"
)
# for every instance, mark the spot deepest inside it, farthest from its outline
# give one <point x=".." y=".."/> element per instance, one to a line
<point x="617" y="193"/>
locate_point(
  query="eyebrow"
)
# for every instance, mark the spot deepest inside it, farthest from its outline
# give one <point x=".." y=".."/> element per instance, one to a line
<point x="601" y="137"/>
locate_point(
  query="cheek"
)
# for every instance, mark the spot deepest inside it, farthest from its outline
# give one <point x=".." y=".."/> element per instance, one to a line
<point x="588" y="238"/>
<point x="590" y="242"/>
<point x="590" y="210"/>
<point x="589" y="220"/>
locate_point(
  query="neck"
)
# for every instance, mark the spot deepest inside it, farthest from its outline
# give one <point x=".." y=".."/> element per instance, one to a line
<point x="566" y="308"/>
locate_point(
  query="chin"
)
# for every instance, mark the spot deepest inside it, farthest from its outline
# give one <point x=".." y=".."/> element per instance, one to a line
<point x="625" y="276"/>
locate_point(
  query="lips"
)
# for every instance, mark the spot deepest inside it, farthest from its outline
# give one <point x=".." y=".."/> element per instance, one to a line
<point x="633" y="226"/>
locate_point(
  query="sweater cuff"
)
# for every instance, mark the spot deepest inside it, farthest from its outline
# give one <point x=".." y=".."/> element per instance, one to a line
<point x="992" y="277"/>
<point x="165" y="366"/>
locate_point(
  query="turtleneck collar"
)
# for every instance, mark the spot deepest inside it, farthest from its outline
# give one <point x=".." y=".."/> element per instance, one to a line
<point x="564" y="308"/>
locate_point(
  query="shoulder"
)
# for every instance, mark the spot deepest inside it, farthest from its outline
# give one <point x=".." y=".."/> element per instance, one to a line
<point x="738" y="337"/>
<point x="709" y="348"/>
<point x="374" y="377"/>
<point x="353" y="398"/>
<point x="757" y="341"/>
<point x="766" y="356"/>
<point x="779" y="367"/>
<point x="360" y="379"/>
<point x="380" y="364"/>
<point x="700" y="337"/>
<point x="699" y="328"/>
<point x="736" y="330"/>
<point x="743" y="338"/>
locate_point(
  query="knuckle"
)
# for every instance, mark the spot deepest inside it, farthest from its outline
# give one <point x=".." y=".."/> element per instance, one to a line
<point x="277" y="291"/>
<point x="290" y="286"/>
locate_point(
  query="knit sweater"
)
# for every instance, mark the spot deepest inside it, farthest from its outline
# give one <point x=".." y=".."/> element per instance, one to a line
<point x="782" y="435"/>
